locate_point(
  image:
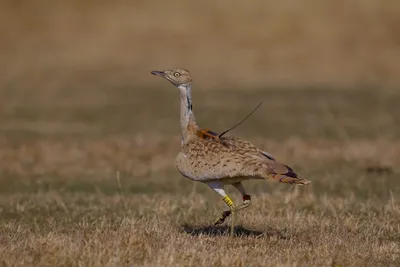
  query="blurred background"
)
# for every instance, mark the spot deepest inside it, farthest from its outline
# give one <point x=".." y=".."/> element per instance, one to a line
<point x="240" y="44"/>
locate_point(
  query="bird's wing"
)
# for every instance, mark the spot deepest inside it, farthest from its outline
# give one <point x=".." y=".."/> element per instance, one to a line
<point x="231" y="157"/>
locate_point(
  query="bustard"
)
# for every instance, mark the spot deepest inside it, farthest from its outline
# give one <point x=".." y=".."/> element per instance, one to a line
<point x="206" y="158"/>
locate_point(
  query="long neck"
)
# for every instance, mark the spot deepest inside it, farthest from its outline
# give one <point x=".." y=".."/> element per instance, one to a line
<point x="188" y="122"/>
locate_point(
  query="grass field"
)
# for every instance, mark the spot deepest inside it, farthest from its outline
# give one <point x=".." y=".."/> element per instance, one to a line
<point x="88" y="137"/>
<point x="63" y="204"/>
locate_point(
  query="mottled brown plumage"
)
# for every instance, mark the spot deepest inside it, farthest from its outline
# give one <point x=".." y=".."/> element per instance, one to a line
<point x="230" y="160"/>
<point x="204" y="157"/>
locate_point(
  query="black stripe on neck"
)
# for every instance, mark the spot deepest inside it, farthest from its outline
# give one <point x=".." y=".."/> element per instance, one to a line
<point x="189" y="103"/>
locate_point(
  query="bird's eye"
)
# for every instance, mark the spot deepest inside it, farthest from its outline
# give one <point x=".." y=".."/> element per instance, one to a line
<point x="177" y="74"/>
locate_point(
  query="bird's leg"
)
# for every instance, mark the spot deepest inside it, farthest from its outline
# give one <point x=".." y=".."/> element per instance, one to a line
<point x="219" y="188"/>
<point x="246" y="198"/>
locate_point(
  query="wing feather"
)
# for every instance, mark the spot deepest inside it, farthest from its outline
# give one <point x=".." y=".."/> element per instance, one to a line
<point x="230" y="157"/>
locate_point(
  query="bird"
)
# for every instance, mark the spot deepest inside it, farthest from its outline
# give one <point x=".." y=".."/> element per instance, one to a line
<point x="217" y="160"/>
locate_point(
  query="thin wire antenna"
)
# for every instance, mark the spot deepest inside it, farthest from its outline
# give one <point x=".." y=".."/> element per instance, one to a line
<point x="251" y="113"/>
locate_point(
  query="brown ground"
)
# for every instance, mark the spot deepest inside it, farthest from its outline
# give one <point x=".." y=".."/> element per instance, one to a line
<point x="61" y="203"/>
<point x="76" y="114"/>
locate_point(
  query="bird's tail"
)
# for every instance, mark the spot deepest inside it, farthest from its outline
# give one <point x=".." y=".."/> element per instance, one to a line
<point x="268" y="168"/>
<point x="288" y="180"/>
<point x="284" y="174"/>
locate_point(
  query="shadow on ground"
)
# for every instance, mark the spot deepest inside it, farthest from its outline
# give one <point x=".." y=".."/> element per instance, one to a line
<point x="224" y="230"/>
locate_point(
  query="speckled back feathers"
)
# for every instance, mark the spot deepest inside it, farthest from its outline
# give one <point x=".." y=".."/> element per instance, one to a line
<point x="230" y="159"/>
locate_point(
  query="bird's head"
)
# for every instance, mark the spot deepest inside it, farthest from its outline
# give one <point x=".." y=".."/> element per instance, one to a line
<point x="178" y="77"/>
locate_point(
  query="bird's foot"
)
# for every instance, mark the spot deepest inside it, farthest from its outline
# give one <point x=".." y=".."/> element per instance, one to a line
<point x="225" y="214"/>
<point x="246" y="203"/>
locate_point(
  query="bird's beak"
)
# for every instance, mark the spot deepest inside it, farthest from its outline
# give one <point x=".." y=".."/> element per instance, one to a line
<point x="159" y="73"/>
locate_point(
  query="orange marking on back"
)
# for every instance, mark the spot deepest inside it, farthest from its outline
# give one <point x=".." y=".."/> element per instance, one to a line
<point x="207" y="134"/>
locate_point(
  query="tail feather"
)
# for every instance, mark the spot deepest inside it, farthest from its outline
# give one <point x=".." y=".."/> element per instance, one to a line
<point x="268" y="168"/>
<point x="289" y="180"/>
<point x="284" y="174"/>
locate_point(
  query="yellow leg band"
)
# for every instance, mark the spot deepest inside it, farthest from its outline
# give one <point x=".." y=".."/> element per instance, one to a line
<point x="228" y="201"/>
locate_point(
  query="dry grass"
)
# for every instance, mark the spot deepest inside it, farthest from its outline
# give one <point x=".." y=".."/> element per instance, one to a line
<point x="61" y="201"/>
<point x="88" y="137"/>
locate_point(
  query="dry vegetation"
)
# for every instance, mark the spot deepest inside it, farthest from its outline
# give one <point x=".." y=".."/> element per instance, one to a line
<point x="61" y="203"/>
<point x="78" y="109"/>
